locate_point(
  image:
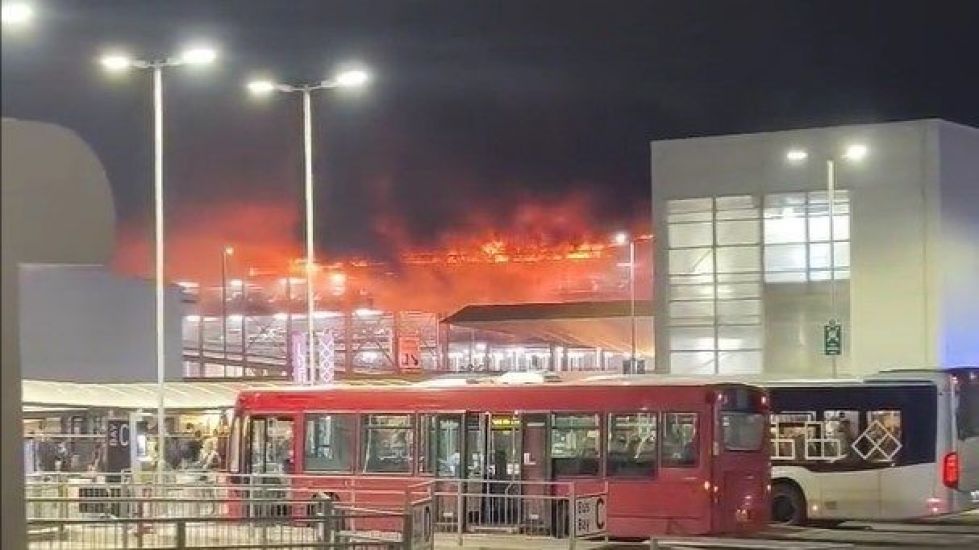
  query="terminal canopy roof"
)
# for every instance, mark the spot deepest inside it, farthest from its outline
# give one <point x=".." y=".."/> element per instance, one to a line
<point x="46" y="395"/>
<point x="605" y="325"/>
<point x="186" y="396"/>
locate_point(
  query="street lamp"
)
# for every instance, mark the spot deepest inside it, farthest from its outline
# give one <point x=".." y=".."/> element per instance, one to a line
<point x="117" y="62"/>
<point x="16" y="14"/>
<point x="225" y="254"/>
<point x="346" y="79"/>
<point x="621" y="238"/>
<point x="855" y="152"/>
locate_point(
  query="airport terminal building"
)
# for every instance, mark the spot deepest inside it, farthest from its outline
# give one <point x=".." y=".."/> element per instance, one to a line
<point x="752" y="270"/>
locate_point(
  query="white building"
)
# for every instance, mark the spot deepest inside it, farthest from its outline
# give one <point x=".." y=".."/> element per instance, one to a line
<point x="747" y="279"/>
<point x="83" y="323"/>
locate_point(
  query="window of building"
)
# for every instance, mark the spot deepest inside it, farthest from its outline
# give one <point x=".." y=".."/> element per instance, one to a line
<point x="631" y="445"/>
<point x="681" y="440"/>
<point x="575" y="444"/>
<point x="329" y="441"/>
<point x="723" y="250"/>
<point x="387" y="443"/>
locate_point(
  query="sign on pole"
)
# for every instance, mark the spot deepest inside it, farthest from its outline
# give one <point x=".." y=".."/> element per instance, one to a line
<point x="422" y="527"/>
<point x="591" y="516"/>
<point x="300" y="374"/>
<point x="833" y="338"/>
<point x="117" y="439"/>
<point x="326" y="357"/>
<point x="409" y="353"/>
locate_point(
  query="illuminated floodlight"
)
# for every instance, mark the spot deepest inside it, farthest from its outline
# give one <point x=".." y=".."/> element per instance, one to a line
<point x="261" y="87"/>
<point x="856" y="152"/>
<point x="796" y="155"/>
<point x="17" y="13"/>
<point x="352" y="79"/>
<point x="621" y="238"/>
<point x="116" y="62"/>
<point x="198" y="56"/>
<point x="236" y="282"/>
<point x="229" y="251"/>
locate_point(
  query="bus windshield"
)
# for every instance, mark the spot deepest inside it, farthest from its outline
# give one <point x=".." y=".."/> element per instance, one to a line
<point x="743" y="431"/>
<point x="743" y="419"/>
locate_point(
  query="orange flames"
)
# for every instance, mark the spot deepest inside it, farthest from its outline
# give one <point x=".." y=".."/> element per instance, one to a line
<point x="538" y="252"/>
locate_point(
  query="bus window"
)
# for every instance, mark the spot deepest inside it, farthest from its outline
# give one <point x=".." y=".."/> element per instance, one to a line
<point x="881" y="441"/>
<point x="967" y="412"/>
<point x="574" y="444"/>
<point x="387" y="443"/>
<point x="743" y="431"/>
<point x="681" y="439"/>
<point x="329" y="438"/>
<point x="271" y="446"/>
<point x="835" y="436"/>
<point x="631" y="445"/>
<point x="438" y="448"/>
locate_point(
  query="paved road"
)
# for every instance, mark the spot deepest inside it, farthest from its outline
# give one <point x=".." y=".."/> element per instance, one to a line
<point x="958" y="533"/>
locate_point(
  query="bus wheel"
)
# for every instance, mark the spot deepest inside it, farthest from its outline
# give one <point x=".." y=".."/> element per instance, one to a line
<point x="788" y="504"/>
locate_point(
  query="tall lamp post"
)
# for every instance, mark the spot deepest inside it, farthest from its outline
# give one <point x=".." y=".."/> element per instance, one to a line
<point x="225" y="254"/>
<point x="346" y="79"/>
<point x="621" y="239"/>
<point x="853" y="153"/>
<point x="120" y="62"/>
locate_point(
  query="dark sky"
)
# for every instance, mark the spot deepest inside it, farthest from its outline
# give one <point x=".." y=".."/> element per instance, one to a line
<point x="475" y="103"/>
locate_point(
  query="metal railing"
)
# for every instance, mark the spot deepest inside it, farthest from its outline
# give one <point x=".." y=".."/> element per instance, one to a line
<point x="222" y="508"/>
<point x="69" y="512"/>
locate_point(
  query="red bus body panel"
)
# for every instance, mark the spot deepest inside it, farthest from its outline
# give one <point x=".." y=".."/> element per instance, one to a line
<point x="724" y="493"/>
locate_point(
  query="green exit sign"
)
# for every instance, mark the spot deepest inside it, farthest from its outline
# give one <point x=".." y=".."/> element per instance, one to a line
<point x="833" y="338"/>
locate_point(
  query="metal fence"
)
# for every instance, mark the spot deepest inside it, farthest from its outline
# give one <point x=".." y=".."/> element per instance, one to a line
<point x="217" y="510"/>
<point x="74" y="512"/>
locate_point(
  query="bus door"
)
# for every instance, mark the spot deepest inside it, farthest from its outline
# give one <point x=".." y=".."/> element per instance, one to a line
<point x="503" y="469"/>
<point x="493" y="450"/>
<point x="535" y="505"/>
<point x="269" y="459"/>
<point x="740" y="466"/>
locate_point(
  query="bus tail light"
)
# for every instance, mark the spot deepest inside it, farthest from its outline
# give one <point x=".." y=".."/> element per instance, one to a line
<point x="950" y="470"/>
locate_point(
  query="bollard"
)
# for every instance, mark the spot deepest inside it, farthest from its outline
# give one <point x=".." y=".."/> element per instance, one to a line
<point x="325" y="510"/>
<point x="181" y="542"/>
<point x="407" y="530"/>
<point x="460" y="512"/>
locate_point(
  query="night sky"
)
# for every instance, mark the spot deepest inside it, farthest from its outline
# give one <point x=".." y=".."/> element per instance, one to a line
<point x="475" y="104"/>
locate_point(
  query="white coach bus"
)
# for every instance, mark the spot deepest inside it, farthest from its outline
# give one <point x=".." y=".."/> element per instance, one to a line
<point x="896" y="445"/>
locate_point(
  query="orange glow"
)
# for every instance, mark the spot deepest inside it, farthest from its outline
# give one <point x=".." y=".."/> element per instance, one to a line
<point x="540" y="252"/>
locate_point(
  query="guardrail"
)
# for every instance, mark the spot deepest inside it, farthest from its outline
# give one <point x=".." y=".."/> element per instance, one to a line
<point x="389" y="509"/>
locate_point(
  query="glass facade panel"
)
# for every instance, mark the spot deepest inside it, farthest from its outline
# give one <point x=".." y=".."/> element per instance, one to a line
<point x="692" y="338"/>
<point x="785" y="257"/>
<point x="738" y="259"/>
<point x="693" y="363"/>
<point x="686" y="235"/>
<point x="691" y="261"/>
<point x="737" y="232"/>
<point x="740" y="245"/>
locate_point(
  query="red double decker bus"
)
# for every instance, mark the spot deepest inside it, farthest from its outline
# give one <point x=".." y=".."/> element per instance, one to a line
<point x="679" y="457"/>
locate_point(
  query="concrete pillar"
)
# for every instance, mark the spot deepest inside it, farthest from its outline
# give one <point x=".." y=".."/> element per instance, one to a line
<point x="56" y="208"/>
